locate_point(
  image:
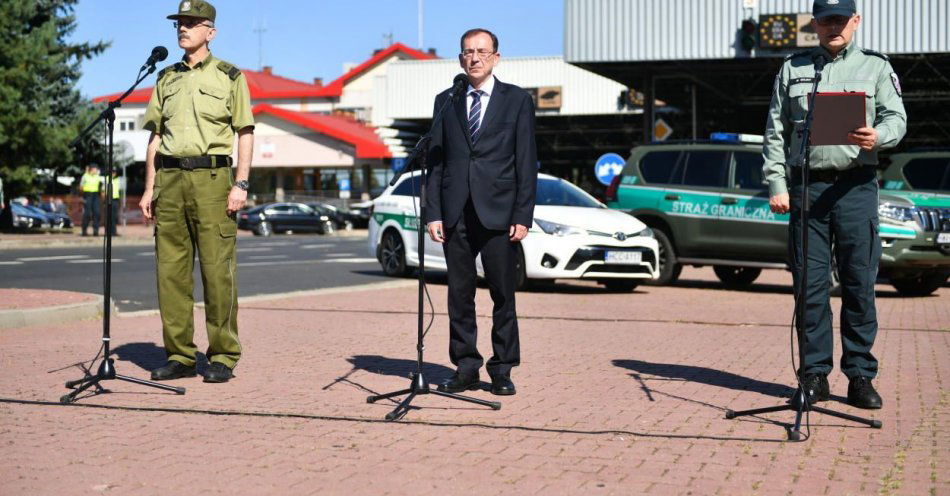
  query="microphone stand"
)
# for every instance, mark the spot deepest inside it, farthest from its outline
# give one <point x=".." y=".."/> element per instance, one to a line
<point x="799" y="402"/>
<point x="418" y="384"/>
<point x="106" y="369"/>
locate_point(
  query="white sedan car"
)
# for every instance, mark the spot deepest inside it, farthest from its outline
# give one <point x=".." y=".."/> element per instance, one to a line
<point x="574" y="236"/>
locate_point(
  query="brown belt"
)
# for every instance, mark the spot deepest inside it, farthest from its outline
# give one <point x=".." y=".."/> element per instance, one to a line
<point x="191" y="163"/>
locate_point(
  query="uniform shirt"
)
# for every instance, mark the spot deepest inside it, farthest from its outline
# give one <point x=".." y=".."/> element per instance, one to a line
<point x="90" y="183"/>
<point x="197" y="109"/>
<point x="487" y="87"/>
<point x="854" y="69"/>
<point x="116" y="188"/>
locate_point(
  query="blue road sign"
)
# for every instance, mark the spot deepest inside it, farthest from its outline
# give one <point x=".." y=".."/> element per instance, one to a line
<point x="608" y="166"/>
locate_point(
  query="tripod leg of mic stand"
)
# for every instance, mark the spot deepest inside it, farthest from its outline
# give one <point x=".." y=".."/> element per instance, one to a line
<point x="869" y="422"/>
<point x="730" y="414"/>
<point x="402" y="408"/>
<point x="493" y="404"/>
<point x="175" y="389"/>
<point x="87" y="383"/>
<point x="374" y="399"/>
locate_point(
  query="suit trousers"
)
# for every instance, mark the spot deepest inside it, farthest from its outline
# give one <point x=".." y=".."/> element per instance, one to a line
<point x="843" y="221"/>
<point x="463" y="243"/>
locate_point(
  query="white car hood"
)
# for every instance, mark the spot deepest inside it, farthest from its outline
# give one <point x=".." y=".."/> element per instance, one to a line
<point x="604" y="220"/>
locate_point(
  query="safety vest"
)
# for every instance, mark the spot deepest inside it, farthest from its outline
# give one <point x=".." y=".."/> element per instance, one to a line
<point x="90" y="183"/>
<point x="115" y="188"/>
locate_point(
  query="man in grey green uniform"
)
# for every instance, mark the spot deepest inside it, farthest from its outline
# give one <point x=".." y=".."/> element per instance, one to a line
<point x="843" y="195"/>
<point x="197" y="106"/>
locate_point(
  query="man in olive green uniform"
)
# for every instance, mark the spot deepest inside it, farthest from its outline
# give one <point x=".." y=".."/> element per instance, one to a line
<point x="197" y="106"/>
<point x="843" y="195"/>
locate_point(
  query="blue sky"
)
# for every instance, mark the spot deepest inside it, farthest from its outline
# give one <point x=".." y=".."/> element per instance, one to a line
<point x="307" y="39"/>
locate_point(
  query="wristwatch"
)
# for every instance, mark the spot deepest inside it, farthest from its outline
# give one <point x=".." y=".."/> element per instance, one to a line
<point x="242" y="184"/>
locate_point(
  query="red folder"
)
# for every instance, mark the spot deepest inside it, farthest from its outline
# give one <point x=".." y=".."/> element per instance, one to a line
<point x="836" y="115"/>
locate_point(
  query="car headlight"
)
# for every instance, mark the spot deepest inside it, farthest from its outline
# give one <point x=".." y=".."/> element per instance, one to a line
<point x="896" y="212"/>
<point x="558" y="229"/>
<point x="647" y="232"/>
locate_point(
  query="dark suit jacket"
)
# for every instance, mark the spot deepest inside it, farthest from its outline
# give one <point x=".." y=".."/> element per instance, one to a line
<point x="499" y="173"/>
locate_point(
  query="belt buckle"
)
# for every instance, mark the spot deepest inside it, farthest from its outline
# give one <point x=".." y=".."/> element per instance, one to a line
<point x="186" y="163"/>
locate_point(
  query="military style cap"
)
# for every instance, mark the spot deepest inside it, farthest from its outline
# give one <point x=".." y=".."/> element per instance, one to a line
<point x="195" y="8"/>
<point x="825" y="8"/>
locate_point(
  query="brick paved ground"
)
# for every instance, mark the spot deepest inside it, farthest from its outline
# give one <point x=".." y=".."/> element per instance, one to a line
<point x="618" y="394"/>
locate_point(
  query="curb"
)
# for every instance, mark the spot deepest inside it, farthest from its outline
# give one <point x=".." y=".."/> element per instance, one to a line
<point x="20" y="244"/>
<point x="91" y="309"/>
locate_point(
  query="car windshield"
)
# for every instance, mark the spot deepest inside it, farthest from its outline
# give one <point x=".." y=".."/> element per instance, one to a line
<point x="560" y="193"/>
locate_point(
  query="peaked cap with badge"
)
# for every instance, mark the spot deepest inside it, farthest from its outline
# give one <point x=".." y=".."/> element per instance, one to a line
<point x="195" y="8"/>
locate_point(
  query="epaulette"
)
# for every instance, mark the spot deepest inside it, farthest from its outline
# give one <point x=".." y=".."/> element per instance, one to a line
<point x="867" y="51"/>
<point x="165" y="71"/>
<point x="230" y="70"/>
<point x="802" y="53"/>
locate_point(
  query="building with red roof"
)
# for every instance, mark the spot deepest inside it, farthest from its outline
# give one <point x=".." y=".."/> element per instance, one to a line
<point x="308" y="136"/>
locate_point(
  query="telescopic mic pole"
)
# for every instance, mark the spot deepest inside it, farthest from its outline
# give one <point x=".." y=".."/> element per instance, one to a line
<point x="799" y="402"/>
<point x="106" y="369"/>
<point x="418" y="383"/>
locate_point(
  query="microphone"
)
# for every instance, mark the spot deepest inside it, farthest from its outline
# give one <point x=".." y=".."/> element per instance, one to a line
<point x="458" y="86"/>
<point x="820" y="60"/>
<point x="159" y="54"/>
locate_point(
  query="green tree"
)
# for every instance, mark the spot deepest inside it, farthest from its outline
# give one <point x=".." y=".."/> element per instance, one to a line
<point x="40" y="109"/>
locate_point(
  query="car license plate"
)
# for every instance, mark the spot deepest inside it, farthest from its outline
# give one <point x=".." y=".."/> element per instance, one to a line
<point x="623" y="257"/>
<point x="943" y="238"/>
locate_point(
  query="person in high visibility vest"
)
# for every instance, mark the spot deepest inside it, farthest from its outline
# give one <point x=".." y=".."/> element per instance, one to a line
<point x="116" y="200"/>
<point x="90" y="186"/>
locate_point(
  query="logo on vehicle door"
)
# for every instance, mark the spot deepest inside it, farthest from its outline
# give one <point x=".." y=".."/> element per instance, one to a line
<point x="620" y="236"/>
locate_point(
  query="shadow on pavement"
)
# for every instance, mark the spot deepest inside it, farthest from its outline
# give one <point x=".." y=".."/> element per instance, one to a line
<point x="148" y="356"/>
<point x="703" y="375"/>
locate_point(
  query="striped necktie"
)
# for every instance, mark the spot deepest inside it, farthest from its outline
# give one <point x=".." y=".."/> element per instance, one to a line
<point x="475" y="113"/>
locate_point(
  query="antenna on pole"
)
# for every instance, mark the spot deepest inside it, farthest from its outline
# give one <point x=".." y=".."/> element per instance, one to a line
<point x="260" y="28"/>
<point x="421" y="45"/>
<point x="388" y="38"/>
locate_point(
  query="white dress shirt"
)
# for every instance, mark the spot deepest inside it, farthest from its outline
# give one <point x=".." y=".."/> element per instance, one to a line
<point x="487" y="89"/>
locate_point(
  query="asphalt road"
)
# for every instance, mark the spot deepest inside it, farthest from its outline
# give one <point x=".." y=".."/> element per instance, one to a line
<point x="265" y="266"/>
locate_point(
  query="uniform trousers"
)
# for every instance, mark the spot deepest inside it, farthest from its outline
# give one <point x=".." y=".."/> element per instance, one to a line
<point x="463" y="243"/>
<point x="842" y="222"/>
<point x="90" y="212"/>
<point x="191" y="215"/>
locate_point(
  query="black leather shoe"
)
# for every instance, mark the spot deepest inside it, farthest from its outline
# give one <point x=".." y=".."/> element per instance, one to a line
<point x="218" y="372"/>
<point x="502" y="386"/>
<point x="173" y="370"/>
<point x="459" y="382"/>
<point x="816" y="388"/>
<point x="861" y="393"/>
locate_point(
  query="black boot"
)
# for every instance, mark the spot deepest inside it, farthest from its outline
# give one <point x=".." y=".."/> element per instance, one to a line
<point x="861" y="393"/>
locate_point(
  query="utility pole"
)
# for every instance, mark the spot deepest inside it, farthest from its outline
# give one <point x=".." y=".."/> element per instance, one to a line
<point x="260" y="28"/>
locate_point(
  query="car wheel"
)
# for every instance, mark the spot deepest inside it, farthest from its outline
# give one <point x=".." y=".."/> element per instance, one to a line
<point x="736" y="277"/>
<point x="620" y="285"/>
<point x="264" y="229"/>
<point x="392" y="256"/>
<point x="670" y="269"/>
<point x="922" y="285"/>
<point x="522" y="283"/>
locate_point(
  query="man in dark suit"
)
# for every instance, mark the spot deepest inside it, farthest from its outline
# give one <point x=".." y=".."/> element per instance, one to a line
<point x="482" y="181"/>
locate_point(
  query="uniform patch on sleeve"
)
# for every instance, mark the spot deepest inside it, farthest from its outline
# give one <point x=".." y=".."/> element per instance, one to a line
<point x="897" y="84"/>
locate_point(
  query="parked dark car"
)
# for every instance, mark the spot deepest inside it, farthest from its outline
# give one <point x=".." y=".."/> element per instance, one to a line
<point x="57" y="220"/>
<point x="360" y="213"/>
<point x="271" y="218"/>
<point x="26" y="218"/>
<point x="342" y="218"/>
